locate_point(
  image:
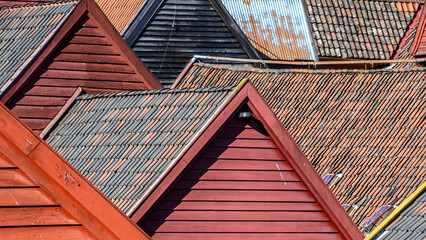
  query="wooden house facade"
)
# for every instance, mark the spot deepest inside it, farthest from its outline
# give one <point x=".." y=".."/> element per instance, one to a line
<point x="166" y="34"/>
<point x="200" y="164"/>
<point x="43" y="197"/>
<point x="419" y="45"/>
<point x="82" y="51"/>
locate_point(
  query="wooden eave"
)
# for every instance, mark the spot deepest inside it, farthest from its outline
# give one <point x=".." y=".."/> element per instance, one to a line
<point x="89" y="8"/>
<point x="62" y="182"/>
<point x="419" y="33"/>
<point x="246" y="93"/>
<point x="149" y="8"/>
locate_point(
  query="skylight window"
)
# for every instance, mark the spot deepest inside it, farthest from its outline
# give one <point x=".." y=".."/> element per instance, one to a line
<point x="328" y="177"/>
<point x="376" y="216"/>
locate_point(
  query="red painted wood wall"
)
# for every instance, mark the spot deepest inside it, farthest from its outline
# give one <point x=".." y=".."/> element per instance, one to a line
<point x="241" y="187"/>
<point x="422" y="46"/>
<point x="28" y="212"/>
<point x="85" y="59"/>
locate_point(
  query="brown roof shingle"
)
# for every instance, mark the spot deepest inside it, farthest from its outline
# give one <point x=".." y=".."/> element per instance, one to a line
<point x="368" y="125"/>
<point x="359" y="29"/>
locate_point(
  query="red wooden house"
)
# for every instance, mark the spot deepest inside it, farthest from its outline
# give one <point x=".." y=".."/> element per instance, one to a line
<point x="43" y="197"/>
<point x="55" y="49"/>
<point x="419" y="44"/>
<point x="199" y="164"/>
<point x="243" y="177"/>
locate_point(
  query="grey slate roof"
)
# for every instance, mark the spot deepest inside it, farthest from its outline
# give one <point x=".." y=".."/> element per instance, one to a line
<point x="23" y="29"/>
<point x="411" y="223"/>
<point x="122" y="142"/>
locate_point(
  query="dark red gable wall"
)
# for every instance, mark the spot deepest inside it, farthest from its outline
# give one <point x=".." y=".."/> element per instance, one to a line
<point x="86" y="59"/>
<point x="240" y="188"/>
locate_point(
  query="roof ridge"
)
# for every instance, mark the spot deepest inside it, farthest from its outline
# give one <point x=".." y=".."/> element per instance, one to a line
<point x="150" y="92"/>
<point x="270" y="70"/>
<point x="38" y="4"/>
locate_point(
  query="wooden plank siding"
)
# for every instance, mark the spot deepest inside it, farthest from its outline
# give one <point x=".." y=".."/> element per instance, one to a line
<point x="197" y="29"/>
<point x="28" y="212"/>
<point x="86" y="58"/>
<point x="240" y="187"/>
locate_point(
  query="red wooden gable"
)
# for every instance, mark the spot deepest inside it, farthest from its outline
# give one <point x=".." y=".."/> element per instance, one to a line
<point x="42" y="196"/>
<point x="419" y="43"/>
<point x="86" y="52"/>
<point x="243" y="179"/>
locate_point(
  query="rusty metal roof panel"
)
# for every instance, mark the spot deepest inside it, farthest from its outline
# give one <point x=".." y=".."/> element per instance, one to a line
<point x="278" y="29"/>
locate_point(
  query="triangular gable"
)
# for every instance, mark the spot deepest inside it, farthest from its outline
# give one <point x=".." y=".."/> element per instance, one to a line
<point x="85" y="52"/>
<point x="43" y="196"/>
<point x="166" y="34"/>
<point x="215" y="193"/>
<point x="419" y="44"/>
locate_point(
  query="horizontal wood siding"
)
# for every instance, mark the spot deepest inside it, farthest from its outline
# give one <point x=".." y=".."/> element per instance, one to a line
<point x="241" y="187"/>
<point x="422" y="47"/>
<point x="87" y="59"/>
<point x="198" y="29"/>
<point x="28" y="212"/>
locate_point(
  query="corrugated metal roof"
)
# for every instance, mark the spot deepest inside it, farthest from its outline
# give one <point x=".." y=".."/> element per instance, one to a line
<point x="23" y="29"/>
<point x="278" y="29"/>
<point x="368" y="125"/>
<point x="122" y="142"/>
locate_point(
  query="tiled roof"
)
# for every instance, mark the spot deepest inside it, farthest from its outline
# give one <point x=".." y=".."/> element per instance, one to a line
<point x="404" y="50"/>
<point x="277" y="29"/>
<point x="122" y="142"/>
<point x="368" y="125"/>
<point x="23" y="29"/>
<point x="43" y="197"/>
<point x="120" y="12"/>
<point x="411" y="223"/>
<point x="359" y="29"/>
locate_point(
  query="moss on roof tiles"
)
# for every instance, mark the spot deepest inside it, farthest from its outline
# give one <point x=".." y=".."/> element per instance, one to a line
<point x="24" y="29"/>
<point x="123" y="142"/>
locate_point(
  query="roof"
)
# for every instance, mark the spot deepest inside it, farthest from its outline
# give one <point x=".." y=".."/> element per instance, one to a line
<point x="120" y="13"/>
<point x="23" y="30"/>
<point x="406" y="45"/>
<point x="246" y="135"/>
<point x="43" y="196"/>
<point x="277" y="29"/>
<point x="367" y="125"/>
<point x="407" y="221"/>
<point x="359" y="29"/>
<point x="84" y="51"/>
<point x="122" y="142"/>
<point x="166" y="34"/>
<point x="419" y="45"/>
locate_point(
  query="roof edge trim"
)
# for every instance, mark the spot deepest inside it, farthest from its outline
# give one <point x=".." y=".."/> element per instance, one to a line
<point x="133" y="213"/>
<point x="37" y="52"/>
<point x="397" y="211"/>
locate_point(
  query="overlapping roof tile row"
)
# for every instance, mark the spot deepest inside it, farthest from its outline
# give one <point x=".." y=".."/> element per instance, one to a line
<point x="367" y="125"/>
<point x="359" y="29"/>
<point x="122" y="142"/>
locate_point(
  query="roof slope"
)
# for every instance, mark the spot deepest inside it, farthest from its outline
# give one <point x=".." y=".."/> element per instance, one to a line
<point x="122" y="142"/>
<point x="166" y="34"/>
<point x="359" y="29"/>
<point x="406" y="45"/>
<point x="85" y="51"/>
<point x="236" y="165"/>
<point x="23" y="30"/>
<point x="411" y="222"/>
<point x="419" y="45"/>
<point x="277" y="29"/>
<point x="120" y="13"/>
<point x="42" y="196"/>
<point x="368" y="125"/>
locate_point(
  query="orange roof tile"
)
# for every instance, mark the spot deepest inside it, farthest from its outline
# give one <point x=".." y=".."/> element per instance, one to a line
<point x="120" y="12"/>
